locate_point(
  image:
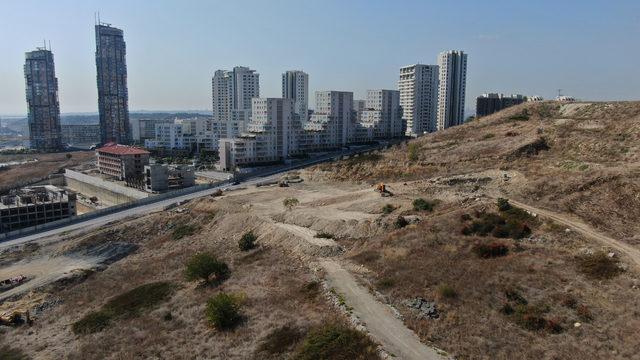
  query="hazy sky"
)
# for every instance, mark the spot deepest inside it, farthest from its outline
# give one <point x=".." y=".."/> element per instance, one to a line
<point x="589" y="48"/>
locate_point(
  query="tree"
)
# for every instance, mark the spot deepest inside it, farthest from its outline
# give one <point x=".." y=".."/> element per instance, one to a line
<point x="204" y="266"/>
<point x="223" y="311"/>
<point x="68" y="156"/>
<point x="247" y="241"/>
<point x="290" y="203"/>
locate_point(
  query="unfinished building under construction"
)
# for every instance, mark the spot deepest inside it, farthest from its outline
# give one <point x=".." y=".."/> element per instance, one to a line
<point x="35" y="205"/>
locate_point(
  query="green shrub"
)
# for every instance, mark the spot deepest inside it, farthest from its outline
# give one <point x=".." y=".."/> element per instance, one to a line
<point x="412" y="151"/>
<point x="325" y="235"/>
<point x="447" y="292"/>
<point x="530" y="317"/>
<point x="423" y="205"/>
<point x="386" y="283"/>
<point x="203" y="266"/>
<point x="490" y="250"/>
<point x="183" y="230"/>
<point x="127" y="305"/>
<point x="523" y="116"/>
<point x="311" y="289"/>
<point x="598" y="266"/>
<point x="515" y="296"/>
<point x="503" y="204"/>
<point x="9" y="353"/>
<point x="290" y="203"/>
<point x="511" y="224"/>
<point x="223" y="311"/>
<point x="388" y="209"/>
<point x="247" y="241"/>
<point x="336" y="341"/>
<point x="400" y="222"/>
<point x="93" y="322"/>
<point x="281" y="340"/>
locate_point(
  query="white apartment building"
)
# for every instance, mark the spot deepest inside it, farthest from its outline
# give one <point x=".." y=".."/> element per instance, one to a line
<point x="382" y="117"/>
<point x="232" y="92"/>
<point x="184" y="134"/>
<point x="295" y="86"/>
<point x="271" y="124"/>
<point x="418" y="86"/>
<point x="452" y="92"/>
<point x="330" y="125"/>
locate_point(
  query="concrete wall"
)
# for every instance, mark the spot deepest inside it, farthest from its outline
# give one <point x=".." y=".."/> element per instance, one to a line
<point x="104" y="190"/>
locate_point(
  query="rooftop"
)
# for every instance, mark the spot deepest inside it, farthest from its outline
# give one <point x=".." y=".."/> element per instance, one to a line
<point x="118" y="149"/>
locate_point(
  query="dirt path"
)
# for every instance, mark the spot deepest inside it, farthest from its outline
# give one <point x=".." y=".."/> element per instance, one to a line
<point x="43" y="271"/>
<point x="584" y="229"/>
<point x="378" y="318"/>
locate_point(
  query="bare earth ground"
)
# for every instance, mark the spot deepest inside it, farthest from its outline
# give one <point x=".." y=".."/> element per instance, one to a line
<point x="47" y="163"/>
<point x="583" y="185"/>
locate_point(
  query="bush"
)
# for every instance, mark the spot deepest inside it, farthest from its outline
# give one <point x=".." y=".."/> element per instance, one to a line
<point x="508" y="225"/>
<point x="127" y="305"/>
<point x="530" y="317"/>
<point x="183" y="230"/>
<point x="488" y="136"/>
<point x="401" y="222"/>
<point x="280" y="340"/>
<point x="412" y="152"/>
<point x="336" y="341"/>
<point x="490" y="250"/>
<point x="447" y="291"/>
<point x="203" y="266"/>
<point x="290" y="203"/>
<point x="388" y="209"/>
<point x="584" y="313"/>
<point x="386" y="283"/>
<point x="503" y="204"/>
<point x="598" y="266"/>
<point x="247" y="241"/>
<point x="423" y="205"/>
<point x="569" y="301"/>
<point x="514" y="296"/>
<point x="523" y="116"/>
<point x="311" y="289"/>
<point x="223" y="311"/>
<point x="325" y="235"/>
<point x="9" y="353"/>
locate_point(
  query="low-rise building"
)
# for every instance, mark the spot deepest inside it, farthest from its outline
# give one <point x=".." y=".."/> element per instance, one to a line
<point x="122" y="161"/>
<point x="159" y="178"/>
<point x="35" y="205"/>
<point x="487" y="104"/>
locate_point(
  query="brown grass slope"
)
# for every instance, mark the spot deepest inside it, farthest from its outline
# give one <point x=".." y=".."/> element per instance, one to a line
<point x="591" y="167"/>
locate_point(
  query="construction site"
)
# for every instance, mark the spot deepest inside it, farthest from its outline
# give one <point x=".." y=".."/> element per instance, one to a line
<point x="512" y="236"/>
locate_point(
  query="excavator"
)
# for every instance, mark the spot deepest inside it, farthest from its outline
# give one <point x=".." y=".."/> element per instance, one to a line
<point x="382" y="189"/>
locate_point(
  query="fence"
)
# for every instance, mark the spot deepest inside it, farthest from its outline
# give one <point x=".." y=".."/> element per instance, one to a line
<point x="176" y="193"/>
<point x="106" y="211"/>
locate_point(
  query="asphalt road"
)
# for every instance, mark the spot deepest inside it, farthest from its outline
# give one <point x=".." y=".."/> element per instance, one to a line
<point x="145" y="209"/>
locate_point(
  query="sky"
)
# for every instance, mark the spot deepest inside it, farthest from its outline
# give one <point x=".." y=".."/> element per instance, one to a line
<point x="588" y="48"/>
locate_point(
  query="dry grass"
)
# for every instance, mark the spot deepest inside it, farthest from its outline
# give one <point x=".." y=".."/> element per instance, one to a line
<point x="47" y="164"/>
<point x="520" y="298"/>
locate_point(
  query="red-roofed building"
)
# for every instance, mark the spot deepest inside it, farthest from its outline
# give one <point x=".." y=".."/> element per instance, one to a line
<point x="122" y="161"/>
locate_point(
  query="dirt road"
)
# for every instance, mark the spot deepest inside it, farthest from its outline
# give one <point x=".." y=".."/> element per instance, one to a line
<point x="378" y="318"/>
<point x="632" y="252"/>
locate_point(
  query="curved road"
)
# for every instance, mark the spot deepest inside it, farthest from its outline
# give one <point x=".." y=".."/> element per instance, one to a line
<point x="584" y="229"/>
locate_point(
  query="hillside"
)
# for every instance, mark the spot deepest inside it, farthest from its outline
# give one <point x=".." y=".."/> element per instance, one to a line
<point x="443" y="267"/>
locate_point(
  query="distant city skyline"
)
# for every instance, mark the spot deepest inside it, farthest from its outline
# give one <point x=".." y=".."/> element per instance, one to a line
<point x="173" y="48"/>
